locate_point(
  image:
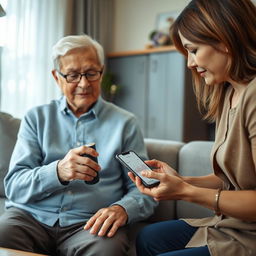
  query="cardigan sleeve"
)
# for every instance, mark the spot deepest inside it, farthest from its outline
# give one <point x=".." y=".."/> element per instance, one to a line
<point x="249" y="107"/>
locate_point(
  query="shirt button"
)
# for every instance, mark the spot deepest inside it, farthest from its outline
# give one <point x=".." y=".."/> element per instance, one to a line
<point x="78" y="143"/>
<point x="69" y="192"/>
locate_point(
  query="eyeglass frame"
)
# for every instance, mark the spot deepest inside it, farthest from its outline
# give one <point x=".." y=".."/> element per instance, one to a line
<point x="81" y="75"/>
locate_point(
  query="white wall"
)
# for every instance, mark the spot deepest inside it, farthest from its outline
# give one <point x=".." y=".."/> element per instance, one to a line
<point x="135" y="19"/>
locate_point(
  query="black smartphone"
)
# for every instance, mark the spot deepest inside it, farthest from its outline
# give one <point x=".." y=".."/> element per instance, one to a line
<point x="135" y="164"/>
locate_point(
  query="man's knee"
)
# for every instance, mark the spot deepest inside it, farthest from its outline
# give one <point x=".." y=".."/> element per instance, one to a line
<point x="10" y="235"/>
<point x="15" y="232"/>
<point x="85" y="244"/>
<point x="111" y="247"/>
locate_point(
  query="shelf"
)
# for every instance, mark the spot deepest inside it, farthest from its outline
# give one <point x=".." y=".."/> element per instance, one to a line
<point x="141" y="52"/>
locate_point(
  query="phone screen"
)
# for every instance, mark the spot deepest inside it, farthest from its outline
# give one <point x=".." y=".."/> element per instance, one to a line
<point x="134" y="163"/>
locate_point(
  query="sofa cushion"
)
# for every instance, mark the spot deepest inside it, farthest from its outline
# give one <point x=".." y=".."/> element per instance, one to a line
<point x="9" y="127"/>
<point x="194" y="160"/>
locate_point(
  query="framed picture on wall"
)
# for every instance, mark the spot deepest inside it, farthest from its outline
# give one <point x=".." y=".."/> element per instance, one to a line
<point x="164" y="20"/>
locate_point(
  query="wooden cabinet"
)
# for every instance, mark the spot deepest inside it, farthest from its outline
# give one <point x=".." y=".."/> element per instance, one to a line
<point x="131" y="73"/>
<point x="157" y="88"/>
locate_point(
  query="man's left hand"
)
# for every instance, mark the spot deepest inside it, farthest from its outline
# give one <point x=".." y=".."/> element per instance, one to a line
<point x="106" y="221"/>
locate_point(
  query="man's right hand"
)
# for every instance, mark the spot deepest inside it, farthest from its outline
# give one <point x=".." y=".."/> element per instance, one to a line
<point x="74" y="166"/>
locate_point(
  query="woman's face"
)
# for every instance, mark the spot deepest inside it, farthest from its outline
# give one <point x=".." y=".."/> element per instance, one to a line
<point x="210" y="63"/>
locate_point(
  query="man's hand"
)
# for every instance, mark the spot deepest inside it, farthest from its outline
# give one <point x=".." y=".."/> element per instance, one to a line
<point x="106" y="221"/>
<point x="74" y="166"/>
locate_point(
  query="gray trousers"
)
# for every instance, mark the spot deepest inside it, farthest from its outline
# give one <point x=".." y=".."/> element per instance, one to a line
<point x="20" y="231"/>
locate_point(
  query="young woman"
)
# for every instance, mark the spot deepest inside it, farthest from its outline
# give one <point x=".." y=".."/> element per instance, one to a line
<point x="218" y="37"/>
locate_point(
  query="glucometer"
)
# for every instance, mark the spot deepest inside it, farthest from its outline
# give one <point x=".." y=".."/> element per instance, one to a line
<point x="95" y="159"/>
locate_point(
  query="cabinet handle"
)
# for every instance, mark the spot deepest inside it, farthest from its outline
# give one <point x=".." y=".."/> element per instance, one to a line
<point x="141" y="67"/>
<point x="154" y="65"/>
<point x="152" y="124"/>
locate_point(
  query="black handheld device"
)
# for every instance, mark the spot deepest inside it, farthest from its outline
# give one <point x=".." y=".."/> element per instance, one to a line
<point x="135" y="164"/>
<point x="96" y="178"/>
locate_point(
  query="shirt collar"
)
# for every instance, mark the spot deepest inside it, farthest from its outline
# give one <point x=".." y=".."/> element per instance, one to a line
<point x="97" y="106"/>
<point x="95" y="110"/>
<point x="63" y="105"/>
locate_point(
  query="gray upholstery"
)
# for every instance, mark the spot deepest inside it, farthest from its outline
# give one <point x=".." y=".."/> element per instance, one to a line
<point x="194" y="160"/>
<point x="166" y="151"/>
<point x="190" y="159"/>
<point x="8" y="131"/>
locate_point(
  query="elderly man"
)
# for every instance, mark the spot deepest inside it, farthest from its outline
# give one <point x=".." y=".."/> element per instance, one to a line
<point x="54" y="206"/>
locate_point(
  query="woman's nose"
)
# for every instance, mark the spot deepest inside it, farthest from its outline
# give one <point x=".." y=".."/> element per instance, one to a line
<point x="191" y="62"/>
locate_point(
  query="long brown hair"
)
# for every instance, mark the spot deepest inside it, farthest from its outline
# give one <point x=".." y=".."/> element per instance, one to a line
<point x="231" y="22"/>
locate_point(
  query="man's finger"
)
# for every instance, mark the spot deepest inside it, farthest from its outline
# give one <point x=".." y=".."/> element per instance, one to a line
<point x="90" y="222"/>
<point x="98" y="225"/>
<point x="113" y="229"/>
<point x="106" y="226"/>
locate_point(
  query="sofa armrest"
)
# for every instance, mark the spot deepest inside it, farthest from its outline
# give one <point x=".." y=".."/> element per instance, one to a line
<point x="9" y="127"/>
<point x="194" y="160"/>
<point x="166" y="151"/>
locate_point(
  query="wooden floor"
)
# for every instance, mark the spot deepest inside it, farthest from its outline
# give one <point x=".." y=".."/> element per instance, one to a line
<point x="11" y="252"/>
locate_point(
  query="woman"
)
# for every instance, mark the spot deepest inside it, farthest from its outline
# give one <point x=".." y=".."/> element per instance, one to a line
<point x="218" y="37"/>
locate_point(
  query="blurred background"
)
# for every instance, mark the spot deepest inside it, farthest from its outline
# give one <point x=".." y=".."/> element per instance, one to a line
<point x="148" y="74"/>
<point x="31" y="27"/>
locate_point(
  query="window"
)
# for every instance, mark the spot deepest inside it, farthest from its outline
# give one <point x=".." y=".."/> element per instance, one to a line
<point x="3" y="23"/>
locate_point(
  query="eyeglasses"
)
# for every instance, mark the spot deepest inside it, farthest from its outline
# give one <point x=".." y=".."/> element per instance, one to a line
<point x="91" y="76"/>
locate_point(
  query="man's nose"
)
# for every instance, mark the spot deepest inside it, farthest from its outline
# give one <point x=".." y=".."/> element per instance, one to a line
<point x="83" y="82"/>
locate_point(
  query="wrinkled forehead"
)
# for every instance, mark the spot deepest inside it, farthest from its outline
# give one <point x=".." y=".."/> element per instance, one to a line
<point x="80" y="58"/>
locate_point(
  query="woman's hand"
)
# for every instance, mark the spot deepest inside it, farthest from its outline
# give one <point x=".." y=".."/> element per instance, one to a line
<point x="171" y="185"/>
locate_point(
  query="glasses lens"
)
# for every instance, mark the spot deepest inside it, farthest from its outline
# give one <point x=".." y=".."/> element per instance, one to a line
<point x="92" y="75"/>
<point x="73" y="78"/>
<point x="76" y="77"/>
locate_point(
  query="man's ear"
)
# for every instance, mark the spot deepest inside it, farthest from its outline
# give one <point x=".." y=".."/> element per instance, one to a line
<point x="103" y="70"/>
<point x="54" y="74"/>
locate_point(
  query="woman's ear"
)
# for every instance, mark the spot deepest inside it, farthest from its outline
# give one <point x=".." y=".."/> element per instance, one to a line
<point x="222" y="47"/>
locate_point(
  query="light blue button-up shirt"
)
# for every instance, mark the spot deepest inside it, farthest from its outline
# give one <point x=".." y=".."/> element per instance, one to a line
<point x="46" y="134"/>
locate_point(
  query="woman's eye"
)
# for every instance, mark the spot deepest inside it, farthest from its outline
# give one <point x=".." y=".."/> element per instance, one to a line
<point x="193" y="51"/>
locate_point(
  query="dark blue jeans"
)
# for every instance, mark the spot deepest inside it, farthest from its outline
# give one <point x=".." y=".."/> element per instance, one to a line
<point x="168" y="238"/>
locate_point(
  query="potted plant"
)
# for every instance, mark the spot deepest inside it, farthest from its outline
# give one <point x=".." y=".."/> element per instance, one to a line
<point x="109" y="88"/>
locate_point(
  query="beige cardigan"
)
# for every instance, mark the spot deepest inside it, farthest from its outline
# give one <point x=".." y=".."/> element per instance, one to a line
<point x="235" y="146"/>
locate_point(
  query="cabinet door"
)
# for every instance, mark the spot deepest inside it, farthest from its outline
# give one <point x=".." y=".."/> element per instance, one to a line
<point x="166" y="96"/>
<point x="157" y="96"/>
<point x="175" y="91"/>
<point x="131" y="73"/>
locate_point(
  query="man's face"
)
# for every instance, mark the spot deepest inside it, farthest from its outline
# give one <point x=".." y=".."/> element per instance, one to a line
<point x="80" y="95"/>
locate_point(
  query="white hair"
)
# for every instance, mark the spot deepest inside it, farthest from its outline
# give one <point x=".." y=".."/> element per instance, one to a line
<point x="68" y="43"/>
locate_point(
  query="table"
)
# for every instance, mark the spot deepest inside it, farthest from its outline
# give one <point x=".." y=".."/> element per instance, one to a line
<point x="11" y="252"/>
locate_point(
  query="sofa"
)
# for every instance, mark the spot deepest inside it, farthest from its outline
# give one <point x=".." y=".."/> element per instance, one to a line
<point x="191" y="159"/>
